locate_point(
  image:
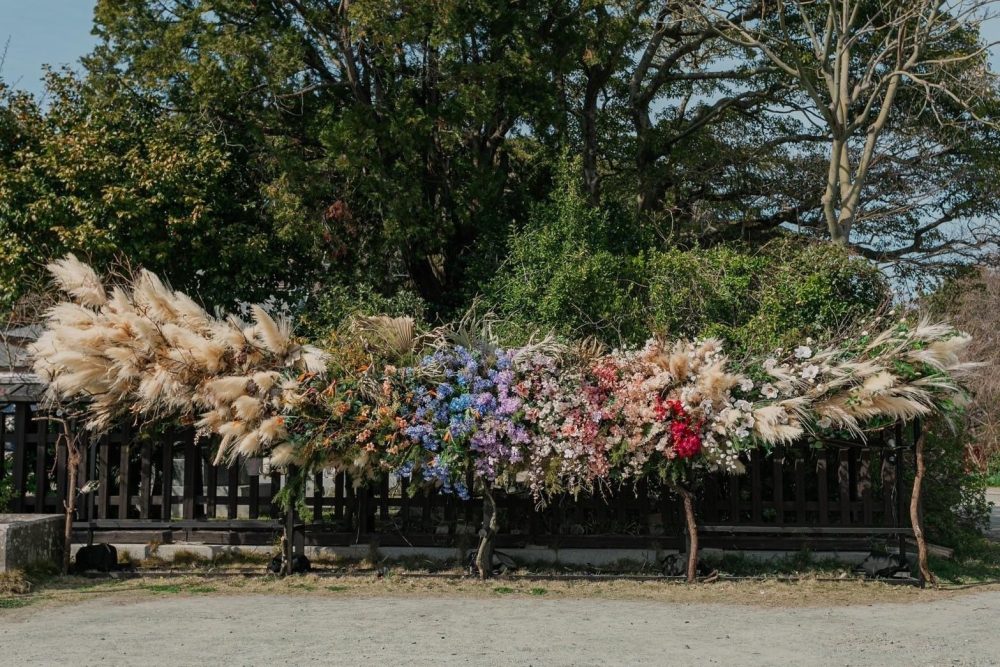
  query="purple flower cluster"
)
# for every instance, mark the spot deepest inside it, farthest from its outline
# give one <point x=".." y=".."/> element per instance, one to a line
<point x="470" y="412"/>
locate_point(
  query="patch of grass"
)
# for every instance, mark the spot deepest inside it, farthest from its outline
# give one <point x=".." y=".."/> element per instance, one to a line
<point x="14" y="582"/>
<point x="503" y="590"/>
<point x="202" y="589"/>
<point x="189" y="558"/>
<point x="162" y="588"/>
<point x="978" y="562"/>
<point x="538" y="591"/>
<point x="15" y="603"/>
<point x="338" y="589"/>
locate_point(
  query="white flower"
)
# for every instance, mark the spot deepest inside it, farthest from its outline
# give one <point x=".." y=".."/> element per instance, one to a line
<point x="769" y="391"/>
<point x="746" y="384"/>
<point x="742" y="433"/>
<point x="810" y="372"/>
<point x="803" y="352"/>
<point x="770" y="363"/>
<point x="745" y="406"/>
<point x="864" y="333"/>
<point x="809" y="340"/>
<point x="748" y="422"/>
<point x="824" y="422"/>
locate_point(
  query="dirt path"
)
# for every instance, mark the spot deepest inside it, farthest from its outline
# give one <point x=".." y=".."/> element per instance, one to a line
<point x="277" y="629"/>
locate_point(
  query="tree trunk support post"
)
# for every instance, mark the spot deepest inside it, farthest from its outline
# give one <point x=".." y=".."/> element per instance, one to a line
<point x="916" y="515"/>
<point x="487" y="534"/>
<point x="692" y="532"/>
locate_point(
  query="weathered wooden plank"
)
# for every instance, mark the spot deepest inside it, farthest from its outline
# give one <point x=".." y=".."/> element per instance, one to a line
<point x="41" y="469"/>
<point x="167" y="476"/>
<point x="822" y="492"/>
<point x="800" y="488"/>
<point x="191" y="463"/>
<point x="756" y="487"/>
<point x="146" y="479"/>
<point x="844" y="481"/>
<point x="318" y="497"/>
<point x="233" y="491"/>
<point x="104" y="477"/>
<point x="125" y="478"/>
<point x="21" y="417"/>
<point x="779" y="485"/>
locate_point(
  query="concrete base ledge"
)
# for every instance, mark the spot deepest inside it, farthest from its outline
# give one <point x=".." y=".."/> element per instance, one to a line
<point x="28" y="540"/>
<point x="579" y="557"/>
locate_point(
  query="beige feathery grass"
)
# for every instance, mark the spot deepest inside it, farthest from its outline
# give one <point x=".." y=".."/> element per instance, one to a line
<point x="152" y="352"/>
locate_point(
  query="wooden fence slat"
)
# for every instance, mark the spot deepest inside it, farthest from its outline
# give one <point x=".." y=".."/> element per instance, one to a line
<point x="779" y="485"/>
<point x="146" y="480"/>
<point x="253" y="490"/>
<point x="844" y="481"/>
<point x="20" y="455"/>
<point x="800" y="488"/>
<point x="318" y="497"/>
<point x="125" y="479"/>
<point x="756" y="487"/>
<point x="62" y="454"/>
<point x="821" y="490"/>
<point x="865" y="485"/>
<point x="41" y="470"/>
<point x="338" y="495"/>
<point x="212" y="484"/>
<point x="3" y="444"/>
<point x="233" y="491"/>
<point x="191" y="463"/>
<point x="272" y="503"/>
<point x="104" y="478"/>
<point x="734" y="499"/>
<point x="167" y="476"/>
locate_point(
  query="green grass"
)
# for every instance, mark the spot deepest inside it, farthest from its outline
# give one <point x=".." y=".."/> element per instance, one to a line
<point x="338" y="589"/>
<point x="538" y="591"/>
<point x="202" y="589"/>
<point x="163" y="588"/>
<point x="15" y="603"/>
<point x="503" y="590"/>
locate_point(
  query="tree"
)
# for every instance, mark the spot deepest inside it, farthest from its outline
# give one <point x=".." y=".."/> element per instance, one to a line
<point x="892" y="87"/>
<point x="103" y="171"/>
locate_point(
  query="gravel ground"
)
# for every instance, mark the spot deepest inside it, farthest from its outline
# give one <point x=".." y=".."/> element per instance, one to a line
<point x="297" y="630"/>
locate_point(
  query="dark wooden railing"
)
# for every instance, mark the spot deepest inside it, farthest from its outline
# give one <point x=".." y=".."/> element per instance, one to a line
<point x="162" y="486"/>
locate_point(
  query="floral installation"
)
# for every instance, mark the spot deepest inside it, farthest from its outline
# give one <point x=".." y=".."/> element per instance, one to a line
<point x="452" y="409"/>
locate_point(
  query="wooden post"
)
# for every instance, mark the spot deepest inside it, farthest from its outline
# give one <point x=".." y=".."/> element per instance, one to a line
<point x="915" y="516"/>
<point x="484" y="556"/>
<point x="692" y="532"/>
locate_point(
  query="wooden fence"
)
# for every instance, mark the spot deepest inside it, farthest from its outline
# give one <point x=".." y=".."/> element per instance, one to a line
<point x="162" y="486"/>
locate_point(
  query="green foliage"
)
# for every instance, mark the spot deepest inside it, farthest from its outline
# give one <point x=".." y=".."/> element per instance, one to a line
<point x="327" y="310"/>
<point x="581" y="271"/>
<point x="955" y="506"/>
<point x="6" y="492"/>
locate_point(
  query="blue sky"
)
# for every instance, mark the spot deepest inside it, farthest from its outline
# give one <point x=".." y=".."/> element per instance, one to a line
<point x="57" y="32"/>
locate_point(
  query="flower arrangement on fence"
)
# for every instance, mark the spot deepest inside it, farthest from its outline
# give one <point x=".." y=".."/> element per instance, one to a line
<point x="453" y="409"/>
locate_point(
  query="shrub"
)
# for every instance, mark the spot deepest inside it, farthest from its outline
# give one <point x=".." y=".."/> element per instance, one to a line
<point x="580" y="271"/>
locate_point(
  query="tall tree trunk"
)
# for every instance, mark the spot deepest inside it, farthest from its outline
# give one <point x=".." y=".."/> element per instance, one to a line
<point x="916" y="521"/>
<point x="484" y="557"/>
<point x="692" y="529"/>
<point x="73" y="465"/>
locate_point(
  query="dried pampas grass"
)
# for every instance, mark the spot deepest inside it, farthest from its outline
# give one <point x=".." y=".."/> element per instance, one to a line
<point x="152" y="352"/>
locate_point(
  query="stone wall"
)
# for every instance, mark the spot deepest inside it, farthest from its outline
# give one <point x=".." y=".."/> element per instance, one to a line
<point x="30" y="539"/>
